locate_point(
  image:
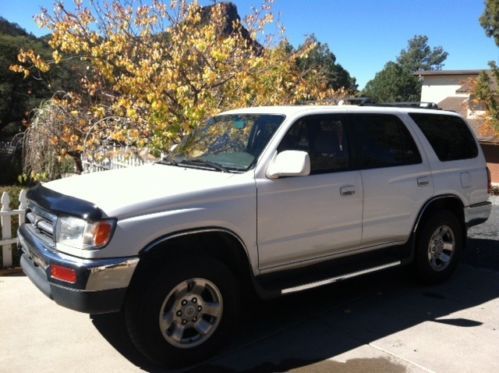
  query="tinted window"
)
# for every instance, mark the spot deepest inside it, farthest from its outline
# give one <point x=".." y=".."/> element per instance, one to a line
<point x="448" y="135"/>
<point x="382" y="141"/>
<point x="323" y="138"/>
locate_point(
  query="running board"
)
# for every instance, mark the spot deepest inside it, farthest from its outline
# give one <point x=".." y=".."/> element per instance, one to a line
<point x="276" y="283"/>
<point x="331" y="280"/>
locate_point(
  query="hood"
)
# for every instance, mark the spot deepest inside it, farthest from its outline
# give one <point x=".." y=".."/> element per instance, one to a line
<point x="144" y="189"/>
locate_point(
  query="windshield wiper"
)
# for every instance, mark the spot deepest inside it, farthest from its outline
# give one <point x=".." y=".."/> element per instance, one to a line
<point x="203" y="162"/>
<point x="168" y="161"/>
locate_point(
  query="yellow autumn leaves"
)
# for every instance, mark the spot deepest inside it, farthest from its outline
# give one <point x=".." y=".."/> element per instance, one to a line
<point x="167" y="66"/>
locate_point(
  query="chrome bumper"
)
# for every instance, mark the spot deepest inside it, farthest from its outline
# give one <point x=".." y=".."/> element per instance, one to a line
<point x="477" y="213"/>
<point x="100" y="285"/>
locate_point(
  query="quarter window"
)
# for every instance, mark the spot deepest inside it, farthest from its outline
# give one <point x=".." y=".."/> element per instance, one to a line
<point x="448" y="135"/>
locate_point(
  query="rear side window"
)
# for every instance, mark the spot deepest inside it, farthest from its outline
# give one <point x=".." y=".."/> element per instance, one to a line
<point x="382" y="140"/>
<point x="449" y="136"/>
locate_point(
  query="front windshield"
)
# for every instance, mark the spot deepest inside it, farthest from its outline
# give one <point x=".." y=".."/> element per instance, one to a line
<point x="230" y="142"/>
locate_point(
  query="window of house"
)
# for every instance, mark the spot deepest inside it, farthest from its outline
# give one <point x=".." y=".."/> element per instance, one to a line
<point x="382" y="141"/>
<point x="449" y="136"/>
<point x="323" y="138"/>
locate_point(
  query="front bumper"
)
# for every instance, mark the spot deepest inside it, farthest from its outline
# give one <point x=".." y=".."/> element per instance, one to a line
<point x="477" y="213"/>
<point x="100" y="285"/>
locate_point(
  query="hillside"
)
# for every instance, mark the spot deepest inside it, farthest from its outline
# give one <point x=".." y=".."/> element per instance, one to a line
<point x="17" y="96"/>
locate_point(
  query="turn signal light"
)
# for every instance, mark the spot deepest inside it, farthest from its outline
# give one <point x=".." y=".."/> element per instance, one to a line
<point x="102" y="233"/>
<point x="63" y="274"/>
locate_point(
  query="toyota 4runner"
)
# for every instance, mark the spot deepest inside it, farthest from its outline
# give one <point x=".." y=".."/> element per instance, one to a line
<point x="270" y="200"/>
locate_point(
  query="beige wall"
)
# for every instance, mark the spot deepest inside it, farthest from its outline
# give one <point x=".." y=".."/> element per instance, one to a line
<point x="437" y="88"/>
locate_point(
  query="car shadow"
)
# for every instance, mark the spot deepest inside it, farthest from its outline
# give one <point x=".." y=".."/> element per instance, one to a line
<point x="305" y="329"/>
<point x="482" y="252"/>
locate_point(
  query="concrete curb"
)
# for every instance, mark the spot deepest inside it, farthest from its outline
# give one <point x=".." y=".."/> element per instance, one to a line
<point x="11" y="271"/>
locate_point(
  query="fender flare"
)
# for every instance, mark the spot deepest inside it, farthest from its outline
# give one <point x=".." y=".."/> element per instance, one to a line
<point x="411" y="243"/>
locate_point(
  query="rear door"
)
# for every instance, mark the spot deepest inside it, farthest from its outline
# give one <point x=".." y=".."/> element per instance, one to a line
<point x="395" y="174"/>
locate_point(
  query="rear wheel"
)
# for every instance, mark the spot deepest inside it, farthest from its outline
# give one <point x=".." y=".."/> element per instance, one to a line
<point x="185" y="313"/>
<point x="439" y="245"/>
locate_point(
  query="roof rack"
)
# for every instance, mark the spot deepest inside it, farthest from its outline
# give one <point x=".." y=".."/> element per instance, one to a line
<point x="328" y="101"/>
<point x="367" y="101"/>
<point x="416" y="104"/>
<point x="361" y="101"/>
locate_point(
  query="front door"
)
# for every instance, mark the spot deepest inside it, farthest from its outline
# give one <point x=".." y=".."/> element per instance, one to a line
<point x="315" y="216"/>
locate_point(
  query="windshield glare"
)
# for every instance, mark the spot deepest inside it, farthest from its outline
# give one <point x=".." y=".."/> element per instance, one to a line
<point x="232" y="142"/>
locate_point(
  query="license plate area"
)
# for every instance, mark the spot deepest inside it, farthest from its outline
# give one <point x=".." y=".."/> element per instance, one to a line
<point x="31" y="254"/>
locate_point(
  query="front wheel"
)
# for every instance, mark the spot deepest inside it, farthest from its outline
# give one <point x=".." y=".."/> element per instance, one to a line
<point x="439" y="245"/>
<point x="185" y="313"/>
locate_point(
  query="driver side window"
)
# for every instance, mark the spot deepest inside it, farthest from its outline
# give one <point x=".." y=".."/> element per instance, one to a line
<point x="323" y="138"/>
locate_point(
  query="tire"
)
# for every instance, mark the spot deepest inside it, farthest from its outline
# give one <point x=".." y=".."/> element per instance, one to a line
<point x="183" y="314"/>
<point x="438" y="247"/>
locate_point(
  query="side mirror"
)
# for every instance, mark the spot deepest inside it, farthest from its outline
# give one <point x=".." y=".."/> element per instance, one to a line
<point x="289" y="163"/>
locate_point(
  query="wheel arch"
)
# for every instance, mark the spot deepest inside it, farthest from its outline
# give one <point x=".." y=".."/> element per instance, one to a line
<point x="449" y="202"/>
<point x="216" y="242"/>
<point x="442" y="202"/>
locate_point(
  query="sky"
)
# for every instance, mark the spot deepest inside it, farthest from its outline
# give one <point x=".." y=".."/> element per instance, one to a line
<point x="363" y="34"/>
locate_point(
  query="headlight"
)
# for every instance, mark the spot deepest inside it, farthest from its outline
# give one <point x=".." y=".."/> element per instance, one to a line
<point x="81" y="234"/>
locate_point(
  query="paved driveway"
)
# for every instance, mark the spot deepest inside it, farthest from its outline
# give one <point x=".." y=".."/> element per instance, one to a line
<point x="383" y="322"/>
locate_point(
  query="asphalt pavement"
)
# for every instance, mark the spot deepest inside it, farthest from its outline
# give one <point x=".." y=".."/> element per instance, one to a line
<point x="382" y="322"/>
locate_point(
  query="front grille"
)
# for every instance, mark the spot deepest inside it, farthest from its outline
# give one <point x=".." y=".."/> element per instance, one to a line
<point x="42" y="221"/>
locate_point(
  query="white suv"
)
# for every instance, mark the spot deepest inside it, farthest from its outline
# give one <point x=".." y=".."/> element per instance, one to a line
<point x="270" y="200"/>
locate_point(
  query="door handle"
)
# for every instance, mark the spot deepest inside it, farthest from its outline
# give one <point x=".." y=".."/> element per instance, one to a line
<point x="347" y="190"/>
<point x="423" y="181"/>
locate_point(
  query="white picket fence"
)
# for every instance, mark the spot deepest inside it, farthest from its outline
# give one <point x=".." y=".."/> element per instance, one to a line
<point x="113" y="158"/>
<point x="110" y="159"/>
<point x="8" y="239"/>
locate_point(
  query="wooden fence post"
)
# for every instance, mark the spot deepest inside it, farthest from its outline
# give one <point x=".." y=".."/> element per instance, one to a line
<point x="6" y="230"/>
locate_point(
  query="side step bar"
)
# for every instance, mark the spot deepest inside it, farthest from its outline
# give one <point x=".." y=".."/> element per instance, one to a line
<point x="331" y="280"/>
<point x="277" y="283"/>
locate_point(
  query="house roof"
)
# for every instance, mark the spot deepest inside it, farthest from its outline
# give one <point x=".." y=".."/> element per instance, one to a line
<point x="465" y="87"/>
<point x="458" y="105"/>
<point x="453" y="103"/>
<point x="447" y="72"/>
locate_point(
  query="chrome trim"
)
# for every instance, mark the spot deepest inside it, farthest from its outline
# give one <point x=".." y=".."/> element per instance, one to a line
<point x="92" y="274"/>
<point x="40" y="211"/>
<point x="48" y="241"/>
<point x="31" y="217"/>
<point x="42" y="220"/>
<point x="331" y="280"/>
<point x="45" y="226"/>
<point x="111" y="275"/>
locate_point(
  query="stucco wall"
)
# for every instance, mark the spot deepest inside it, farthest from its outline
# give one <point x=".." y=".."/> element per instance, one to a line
<point x="438" y="88"/>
